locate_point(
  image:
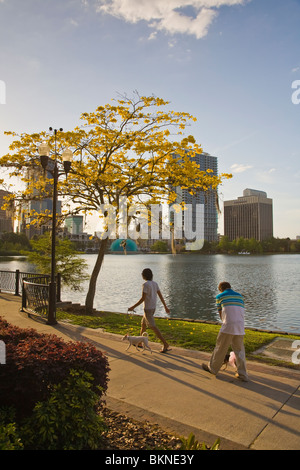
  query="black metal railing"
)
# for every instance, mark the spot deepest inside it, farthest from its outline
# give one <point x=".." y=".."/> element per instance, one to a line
<point x="33" y="287"/>
<point x="35" y="294"/>
<point x="12" y="281"/>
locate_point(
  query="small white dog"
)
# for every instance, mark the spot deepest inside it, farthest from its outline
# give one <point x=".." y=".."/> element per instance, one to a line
<point x="135" y="340"/>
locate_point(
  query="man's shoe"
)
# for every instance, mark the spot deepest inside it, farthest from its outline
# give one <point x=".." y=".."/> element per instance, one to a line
<point x="243" y="379"/>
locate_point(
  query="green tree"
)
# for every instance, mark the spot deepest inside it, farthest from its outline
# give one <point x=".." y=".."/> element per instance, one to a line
<point x="11" y="242"/>
<point x="254" y="246"/>
<point x="160" y="246"/>
<point x="132" y="149"/>
<point x="224" y="244"/>
<point x="70" y="266"/>
<point x="295" y="246"/>
<point x="16" y="238"/>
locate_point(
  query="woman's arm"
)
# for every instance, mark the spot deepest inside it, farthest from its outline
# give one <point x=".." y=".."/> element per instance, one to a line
<point x="138" y="303"/>
<point x="163" y="301"/>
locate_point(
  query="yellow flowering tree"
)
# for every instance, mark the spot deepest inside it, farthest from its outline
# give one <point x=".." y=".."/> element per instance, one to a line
<point x="133" y="149"/>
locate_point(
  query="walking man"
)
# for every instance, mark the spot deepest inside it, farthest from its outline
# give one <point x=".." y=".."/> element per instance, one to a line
<point x="230" y="305"/>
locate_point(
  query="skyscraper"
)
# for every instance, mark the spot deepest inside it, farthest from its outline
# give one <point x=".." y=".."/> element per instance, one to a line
<point x="6" y="217"/>
<point x="74" y="224"/>
<point x="249" y="216"/>
<point x="34" y="207"/>
<point x="207" y="198"/>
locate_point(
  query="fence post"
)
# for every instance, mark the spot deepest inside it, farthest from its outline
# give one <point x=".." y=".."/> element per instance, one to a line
<point x="23" y="297"/>
<point x="17" y="282"/>
<point x="58" y="287"/>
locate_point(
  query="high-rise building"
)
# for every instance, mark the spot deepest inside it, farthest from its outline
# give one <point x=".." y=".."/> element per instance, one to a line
<point x="6" y="217"/>
<point x="249" y="216"/>
<point x="30" y="209"/>
<point x="74" y="224"/>
<point x="205" y="198"/>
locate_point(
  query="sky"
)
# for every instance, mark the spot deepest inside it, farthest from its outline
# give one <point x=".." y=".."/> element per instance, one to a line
<point x="232" y="64"/>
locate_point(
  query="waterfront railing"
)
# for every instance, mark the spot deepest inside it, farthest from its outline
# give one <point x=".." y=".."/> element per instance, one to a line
<point x="33" y="287"/>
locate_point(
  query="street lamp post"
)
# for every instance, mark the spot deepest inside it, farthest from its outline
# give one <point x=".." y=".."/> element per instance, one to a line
<point x="67" y="156"/>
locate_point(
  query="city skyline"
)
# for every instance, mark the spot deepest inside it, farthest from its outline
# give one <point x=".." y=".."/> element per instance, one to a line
<point x="233" y="64"/>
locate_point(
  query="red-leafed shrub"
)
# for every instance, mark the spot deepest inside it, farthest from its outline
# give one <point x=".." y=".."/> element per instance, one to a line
<point x="13" y="334"/>
<point x="35" y="362"/>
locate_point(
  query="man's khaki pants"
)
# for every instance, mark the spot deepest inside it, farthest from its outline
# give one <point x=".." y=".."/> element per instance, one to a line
<point x="224" y="341"/>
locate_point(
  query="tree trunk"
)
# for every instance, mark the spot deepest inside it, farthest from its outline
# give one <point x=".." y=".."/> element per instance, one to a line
<point x="89" y="301"/>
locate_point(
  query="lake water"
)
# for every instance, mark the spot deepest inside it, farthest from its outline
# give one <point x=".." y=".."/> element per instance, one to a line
<point x="189" y="282"/>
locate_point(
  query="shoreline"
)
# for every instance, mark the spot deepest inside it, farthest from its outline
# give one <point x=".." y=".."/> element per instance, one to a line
<point x="268" y="253"/>
<point x="65" y="304"/>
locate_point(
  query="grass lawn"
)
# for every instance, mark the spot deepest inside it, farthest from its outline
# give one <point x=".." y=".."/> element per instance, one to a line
<point x="184" y="334"/>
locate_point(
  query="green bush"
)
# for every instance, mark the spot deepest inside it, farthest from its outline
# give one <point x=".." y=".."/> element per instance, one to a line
<point x="192" y="444"/>
<point x="68" y="420"/>
<point x="9" y="438"/>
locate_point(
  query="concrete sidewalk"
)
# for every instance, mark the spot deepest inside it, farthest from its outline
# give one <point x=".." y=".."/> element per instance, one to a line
<point x="174" y="392"/>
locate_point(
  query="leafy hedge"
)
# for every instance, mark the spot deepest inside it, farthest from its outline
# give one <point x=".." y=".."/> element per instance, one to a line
<point x="68" y="420"/>
<point x="36" y="363"/>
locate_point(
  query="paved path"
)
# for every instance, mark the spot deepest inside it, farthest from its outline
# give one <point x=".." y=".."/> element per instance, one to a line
<point x="173" y="391"/>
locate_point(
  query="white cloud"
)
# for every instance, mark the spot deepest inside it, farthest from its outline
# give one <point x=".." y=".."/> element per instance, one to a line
<point x="266" y="176"/>
<point x="239" y="168"/>
<point x="73" y="22"/>
<point x="172" y="43"/>
<point x="295" y="69"/>
<point x="152" y="36"/>
<point x="168" y="15"/>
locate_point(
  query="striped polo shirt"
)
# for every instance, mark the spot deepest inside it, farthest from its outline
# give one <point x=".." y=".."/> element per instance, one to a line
<point x="231" y="306"/>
